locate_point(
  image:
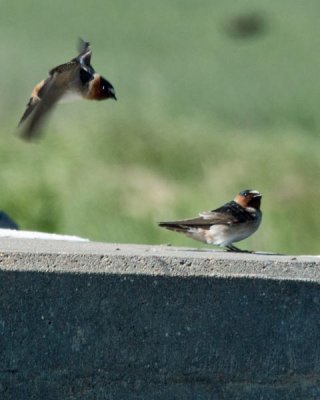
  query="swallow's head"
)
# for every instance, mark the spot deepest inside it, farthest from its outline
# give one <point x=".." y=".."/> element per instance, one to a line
<point x="106" y="90"/>
<point x="249" y="198"/>
<point x="100" y="89"/>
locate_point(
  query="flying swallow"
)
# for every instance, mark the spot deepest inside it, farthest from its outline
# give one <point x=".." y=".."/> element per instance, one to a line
<point x="74" y="79"/>
<point x="232" y="222"/>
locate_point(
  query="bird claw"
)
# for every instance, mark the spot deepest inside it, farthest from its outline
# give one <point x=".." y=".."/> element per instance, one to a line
<point x="235" y="249"/>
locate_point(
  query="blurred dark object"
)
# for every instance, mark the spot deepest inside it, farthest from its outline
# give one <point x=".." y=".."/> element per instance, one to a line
<point x="6" y="222"/>
<point x="246" y="25"/>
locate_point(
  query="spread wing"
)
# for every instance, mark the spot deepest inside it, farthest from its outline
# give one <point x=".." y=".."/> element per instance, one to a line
<point x="48" y="92"/>
<point x="84" y="60"/>
<point x="84" y="57"/>
<point x="33" y="102"/>
<point x="53" y="89"/>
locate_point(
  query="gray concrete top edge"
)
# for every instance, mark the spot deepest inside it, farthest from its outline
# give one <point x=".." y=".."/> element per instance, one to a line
<point x="102" y="248"/>
<point x="159" y="260"/>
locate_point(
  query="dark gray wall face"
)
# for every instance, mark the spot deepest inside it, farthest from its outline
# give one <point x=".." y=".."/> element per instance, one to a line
<point x="79" y="331"/>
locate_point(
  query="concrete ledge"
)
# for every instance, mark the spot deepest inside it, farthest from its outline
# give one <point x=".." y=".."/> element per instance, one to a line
<point x="105" y="321"/>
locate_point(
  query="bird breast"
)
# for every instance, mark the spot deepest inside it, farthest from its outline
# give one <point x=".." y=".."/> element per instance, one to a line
<point x="71" y="95"/>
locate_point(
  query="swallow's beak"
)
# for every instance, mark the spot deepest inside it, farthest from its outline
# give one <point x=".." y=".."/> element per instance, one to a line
<point x="255" y="194"/>
<point x="112" y="93"/>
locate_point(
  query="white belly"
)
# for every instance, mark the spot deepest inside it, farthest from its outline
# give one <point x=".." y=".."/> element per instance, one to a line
<point x="224" y="235"/>
<point x="70" y="95"/>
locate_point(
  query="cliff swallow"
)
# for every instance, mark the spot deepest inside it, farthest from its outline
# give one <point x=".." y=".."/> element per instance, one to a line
<point x="74" y="79"/>
<point x="232" y="222"/>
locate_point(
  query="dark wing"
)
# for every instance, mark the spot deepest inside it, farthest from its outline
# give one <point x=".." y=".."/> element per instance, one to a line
<point x="204" y="221"/>
<point x="84" y="57"/>
<point x="66" y="67"/>
<point x="35" y="98"/>
<point x="232" y="212"/>
<point x="229" y="214"/>
<point x="86" y="71"/>
<point x="51" y="93"/>
<point x="33" y="102"/>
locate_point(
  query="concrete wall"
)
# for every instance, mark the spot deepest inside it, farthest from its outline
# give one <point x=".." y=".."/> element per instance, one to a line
<point x="103" y="321"/>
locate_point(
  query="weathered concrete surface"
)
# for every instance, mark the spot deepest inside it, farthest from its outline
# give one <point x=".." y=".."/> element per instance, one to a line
<point x="106" y="321"/>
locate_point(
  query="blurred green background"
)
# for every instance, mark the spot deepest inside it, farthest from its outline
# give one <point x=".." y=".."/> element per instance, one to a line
<point x="213" y="97"/>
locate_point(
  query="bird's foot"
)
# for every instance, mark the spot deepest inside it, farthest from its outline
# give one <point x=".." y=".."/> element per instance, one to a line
<point x="235" y="249"/>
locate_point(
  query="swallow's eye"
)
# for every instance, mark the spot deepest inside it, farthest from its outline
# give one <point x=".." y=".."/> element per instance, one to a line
<point x="106" y="89"/>
<point x="245" y="193"/>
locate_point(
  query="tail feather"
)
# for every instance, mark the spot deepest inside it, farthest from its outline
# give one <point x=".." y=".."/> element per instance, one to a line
<point x="172" y="226"/>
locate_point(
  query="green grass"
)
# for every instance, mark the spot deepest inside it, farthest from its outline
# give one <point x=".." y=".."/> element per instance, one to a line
<point x="201" y="115"/>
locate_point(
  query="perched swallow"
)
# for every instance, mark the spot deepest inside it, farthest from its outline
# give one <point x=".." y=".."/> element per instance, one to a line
<point x="72" y="80"/>
<point x="232" y="222"/>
